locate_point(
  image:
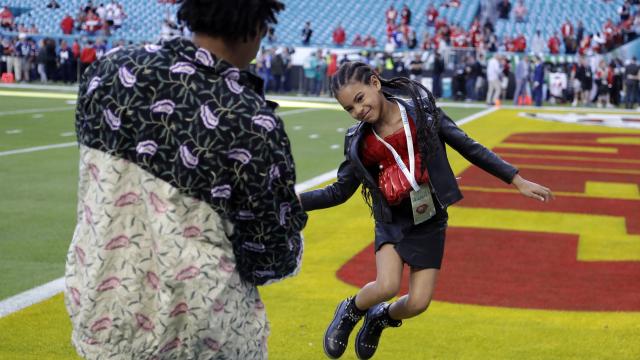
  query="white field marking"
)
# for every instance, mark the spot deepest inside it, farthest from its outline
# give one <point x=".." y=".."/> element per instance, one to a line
<point x="297" y="127"/>
<point x="297" y="111"/>
<point x="13" y="131"/>
<point x="41" y="293"/>
<point x="480" y="114"/>
<point x="67" y="134"/>
<point x="314" y="136"/>
<point x="335" y="146"/>
<point x="34" y="111"/>
<point x="38" y="116"/>
<point x="30" y="297"/>
<point x="340" y="130"/>
<point x="71" y="102"/>
<point x="43" y="95"/>
<point x="37" y="148"/>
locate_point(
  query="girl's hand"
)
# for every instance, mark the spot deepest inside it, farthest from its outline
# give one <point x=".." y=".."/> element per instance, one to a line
<point x="532" y="190"/>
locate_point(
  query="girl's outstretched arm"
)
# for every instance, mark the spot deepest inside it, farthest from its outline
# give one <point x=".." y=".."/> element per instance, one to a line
<point x="334" y="194"/>
<point x="532" y="190"/>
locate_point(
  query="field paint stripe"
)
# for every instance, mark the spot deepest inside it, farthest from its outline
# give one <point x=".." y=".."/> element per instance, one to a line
<point x="35" y="111"/>
<point x="477" y="115"/>
<point x="297" y="111"/>
<point x="38" y="148"/>
<point x="41" y="293"/>
<point x="44" y="95"/>
<point x="69" y="144"/>
<point x="30" y="297"/>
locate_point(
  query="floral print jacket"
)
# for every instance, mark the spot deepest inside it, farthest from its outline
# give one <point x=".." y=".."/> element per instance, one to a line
<point x="186" y="201"/>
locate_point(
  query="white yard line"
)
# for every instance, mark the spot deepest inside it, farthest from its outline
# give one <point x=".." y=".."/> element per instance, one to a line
<point x="37" y="148"/>
<point x="46" y="291"/>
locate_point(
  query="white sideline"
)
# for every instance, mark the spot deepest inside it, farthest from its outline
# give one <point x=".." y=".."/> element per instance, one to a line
<point x="44" y="292"/>
<point x="35" y="111"/>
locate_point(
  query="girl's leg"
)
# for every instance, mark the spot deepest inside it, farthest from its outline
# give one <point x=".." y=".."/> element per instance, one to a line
<point x="388" y="276"/>
<point x="422" y="283"/>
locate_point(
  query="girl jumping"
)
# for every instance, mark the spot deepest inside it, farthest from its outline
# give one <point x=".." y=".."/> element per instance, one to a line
<point x="396" y="152"/>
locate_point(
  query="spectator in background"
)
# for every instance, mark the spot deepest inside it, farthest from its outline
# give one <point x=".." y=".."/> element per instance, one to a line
<point x="504" y="8"/>
<point x="321" y="73"/>
<point x="277" y="71"/>
<point x="520" y="11"/>
<point x="271" y="35"/>
<point x="405" y="15"/>
<point x="469" y="79"/>
<point x="357" y="41"/>
<point x="87" y="56"/>
<point x="522" y="79"/>
<point x="554" y="43"/>
<point x="310" y="67"/>
<point x="625" y="11"/>
<point x="537" y="43"/>
<point x="53" y="4"/>
<point x="538" y="81"/>
<point x="33" y="29"/>
<point x="579" y="32"/>
<point x="92" y="23"/>
<point x="306" y="33"/>
<point x="24" y="56"/>
<point x="438" y="70"/>
<point x="415" y="68"/>
<point x="631" y="77"/>
<point x="391" y="14"/>
<point x="41" y="61"/>
<point x="339" y="35"/>
<point x="412" y="40"/>
<point x="494" y="78"/>
<point x="67" y="24"/>
<point x="566" y="31"/>
<point x="520" y="43"/>
<point x="6" y="19"/>
<point x="65" y="59"/>
<point x="332" y="66"/>
<point x="370" y="41"/>
<point x="432" y="15"/>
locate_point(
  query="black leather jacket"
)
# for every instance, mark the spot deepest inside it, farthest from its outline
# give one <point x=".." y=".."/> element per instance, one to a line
<point x="352" y="172"/>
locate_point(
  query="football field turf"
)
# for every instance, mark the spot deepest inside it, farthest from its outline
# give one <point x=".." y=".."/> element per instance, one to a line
<point x="519" y="280"/>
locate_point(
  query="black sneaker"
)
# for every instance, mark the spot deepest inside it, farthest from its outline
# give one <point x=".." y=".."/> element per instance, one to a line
<point x="376" y="320"/>
<point x="337" y="335"/>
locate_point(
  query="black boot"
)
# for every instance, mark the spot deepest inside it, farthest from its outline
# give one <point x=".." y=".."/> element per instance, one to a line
<point x="375" y="321"/>
<point x="345" y="318"/>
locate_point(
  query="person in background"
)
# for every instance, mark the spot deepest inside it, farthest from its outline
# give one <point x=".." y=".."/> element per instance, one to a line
<point x="339" y="35"/>
<point x="307" y="32"/>
<point x="522" y="79"/>
<point x="179" y="222"/>
<point x="538" y="81"/>
<point x="438" y="70"/>
<point x="631" y="78"/>
<point x="494" y="79"/>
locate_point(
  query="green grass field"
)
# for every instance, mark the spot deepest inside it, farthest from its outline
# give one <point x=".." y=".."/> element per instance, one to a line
<point x="37" y="220"/>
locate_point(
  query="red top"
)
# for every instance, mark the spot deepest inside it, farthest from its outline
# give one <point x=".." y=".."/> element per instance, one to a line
<point x="391" y="181"/>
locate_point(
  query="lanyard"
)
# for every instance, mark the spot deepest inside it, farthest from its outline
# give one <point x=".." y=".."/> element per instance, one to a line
<point x="408" y="173"/>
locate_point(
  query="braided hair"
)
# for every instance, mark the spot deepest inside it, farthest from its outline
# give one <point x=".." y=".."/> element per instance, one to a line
<point x="232" y="20"/>
<point x="427" y="131"/>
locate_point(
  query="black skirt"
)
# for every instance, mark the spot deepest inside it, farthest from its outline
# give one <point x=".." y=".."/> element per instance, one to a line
<point x="420" y="246"/>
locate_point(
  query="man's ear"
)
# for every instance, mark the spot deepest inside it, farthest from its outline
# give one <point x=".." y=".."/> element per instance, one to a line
<point x="375" y="81"/>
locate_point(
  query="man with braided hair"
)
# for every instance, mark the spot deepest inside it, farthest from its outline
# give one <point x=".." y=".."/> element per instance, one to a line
<point x="186" y="196"/>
